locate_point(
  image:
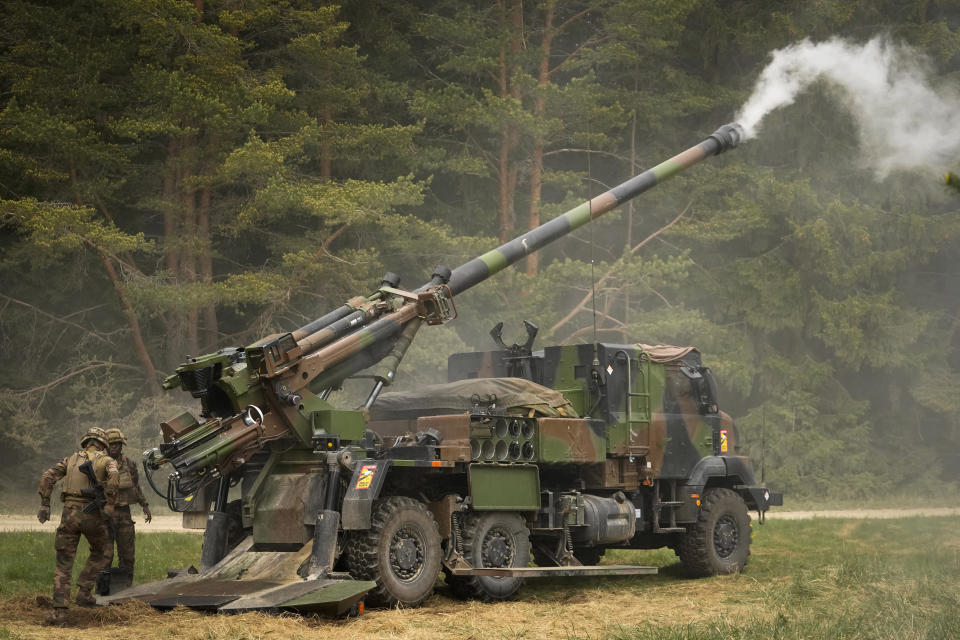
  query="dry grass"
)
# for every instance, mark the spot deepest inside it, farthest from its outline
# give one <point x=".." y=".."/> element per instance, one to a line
<point x="806" y="579"/>
<point x="587" y="612"/>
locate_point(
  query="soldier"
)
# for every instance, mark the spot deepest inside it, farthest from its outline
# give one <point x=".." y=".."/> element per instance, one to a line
<point x="75" y="521"/>
<point x="128" y="491"/>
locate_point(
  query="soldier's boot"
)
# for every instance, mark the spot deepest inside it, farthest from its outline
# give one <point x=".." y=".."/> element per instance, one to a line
<point x="59" y="614"/>
<point x="85" y="598"/>
<point x="57" y="618"/>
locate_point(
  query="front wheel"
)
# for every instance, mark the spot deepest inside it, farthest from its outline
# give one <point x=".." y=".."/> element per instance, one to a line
<point x="401" y="551"/>
<point x="719" y="541"/>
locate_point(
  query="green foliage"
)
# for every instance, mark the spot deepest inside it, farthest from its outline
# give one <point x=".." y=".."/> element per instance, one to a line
<point x="178" y="177"/>
<point x="50" y="230"/>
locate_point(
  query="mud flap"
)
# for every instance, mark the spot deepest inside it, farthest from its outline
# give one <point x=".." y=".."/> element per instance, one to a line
<point x="364" y="488"/>
<point x="760" y="499"/>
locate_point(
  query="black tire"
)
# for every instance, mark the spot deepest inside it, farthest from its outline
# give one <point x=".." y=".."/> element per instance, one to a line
<point x="719" y="541"/>
<point x="400" y="550"/>
<point x="492" y="539"/>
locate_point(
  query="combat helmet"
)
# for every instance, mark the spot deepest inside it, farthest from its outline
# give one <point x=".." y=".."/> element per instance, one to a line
<point x="95" y="433"/>
<point x="115" y="435"/>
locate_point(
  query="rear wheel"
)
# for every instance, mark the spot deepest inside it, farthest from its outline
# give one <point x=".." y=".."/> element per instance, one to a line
<point x="401" y="551"/>
<point x="492" y="539"/>
<point x="719" y="541"/>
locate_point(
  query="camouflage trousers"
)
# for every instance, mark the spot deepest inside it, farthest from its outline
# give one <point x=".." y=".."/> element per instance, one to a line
<point x="74" y="523"/>
<point x="125" y="537"/>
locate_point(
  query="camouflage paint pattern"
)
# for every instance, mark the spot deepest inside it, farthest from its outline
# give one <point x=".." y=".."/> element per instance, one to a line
<point x="93" y="526"/>
<point x="567" y="441"/>
<point x="264" y="393"/>
<point x="128" y="483"/>
<point x="274" y="373"/>
<point x="125" y="537"/>
<point x="103" y="466"/>
<point x="665" y="435"/>
<point x="285" y="497"/>
<point x="124" y="531"/>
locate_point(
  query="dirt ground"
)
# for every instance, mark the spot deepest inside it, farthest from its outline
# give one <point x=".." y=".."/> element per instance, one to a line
<point x="30" y="523"/>
<point x="172" y="523"/>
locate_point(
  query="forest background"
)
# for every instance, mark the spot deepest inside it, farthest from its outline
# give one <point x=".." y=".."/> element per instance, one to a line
<point x="177" y="177"/>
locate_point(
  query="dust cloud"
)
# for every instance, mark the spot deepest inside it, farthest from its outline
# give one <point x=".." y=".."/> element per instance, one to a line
<point x="905" y="121"/>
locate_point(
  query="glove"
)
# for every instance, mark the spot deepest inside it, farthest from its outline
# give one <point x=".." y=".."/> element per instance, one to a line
<point x="44" y="514"/>
<point x="147" y="516"/>
<point x="108" y="510"/>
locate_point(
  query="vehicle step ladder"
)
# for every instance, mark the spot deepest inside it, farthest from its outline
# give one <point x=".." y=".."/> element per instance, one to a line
<point x="670" y="505"/>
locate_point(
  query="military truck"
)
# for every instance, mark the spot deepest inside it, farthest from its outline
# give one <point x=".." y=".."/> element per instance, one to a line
<point x="556" y="454"/>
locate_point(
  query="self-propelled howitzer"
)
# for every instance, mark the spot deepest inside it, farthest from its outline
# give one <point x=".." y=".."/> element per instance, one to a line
<point x="335" y="506"/>
<point x="263" y="392"/>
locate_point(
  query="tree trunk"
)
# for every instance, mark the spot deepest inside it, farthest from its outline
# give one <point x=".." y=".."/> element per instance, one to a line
<point x="503" y="153"/>
<point x="507" y="172"/>
<point x="632" y="172"/>
<point x="173" y="345"/>
<point x="210" y="325"/>
<point x="516" y="46"/>
<point x="539" y="109"/>
<point x="326" y="157"/>
<point x="180" y="230"/>
<point x="139" y="346"/>
<point x="188" y="267"/>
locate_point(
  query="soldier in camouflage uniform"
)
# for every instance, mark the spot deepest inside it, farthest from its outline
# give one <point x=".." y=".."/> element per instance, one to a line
<point x="127" y="493"/>
<point x="74" y="522"/>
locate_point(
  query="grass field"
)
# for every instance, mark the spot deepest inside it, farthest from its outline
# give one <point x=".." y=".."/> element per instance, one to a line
<point x="821" y="578"/>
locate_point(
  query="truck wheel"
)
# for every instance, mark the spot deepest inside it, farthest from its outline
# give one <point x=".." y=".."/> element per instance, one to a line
<point x="400" y="550"/>
<point x="492" y="539"/>
<point x="719" y="541"/>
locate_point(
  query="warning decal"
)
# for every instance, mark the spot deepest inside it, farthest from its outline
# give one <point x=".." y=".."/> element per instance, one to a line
<point x="366" y="476"/>
<point x="723" y="440"/>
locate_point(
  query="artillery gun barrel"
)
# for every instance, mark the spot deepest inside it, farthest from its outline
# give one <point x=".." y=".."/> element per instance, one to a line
<point x="479" y="269"/>
<point x="321" y="322"/>
<point x="348" y="352"/>
<point x="339" y="321"/>
<point x="362" y="332"/>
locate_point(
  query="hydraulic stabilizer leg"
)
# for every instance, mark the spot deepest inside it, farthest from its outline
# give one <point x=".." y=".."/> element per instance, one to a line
<point x="218" y="526"/>
<point x="328" y="521"/>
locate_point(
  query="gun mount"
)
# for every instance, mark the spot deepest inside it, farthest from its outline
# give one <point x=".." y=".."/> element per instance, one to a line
<point x="324" y="489"/>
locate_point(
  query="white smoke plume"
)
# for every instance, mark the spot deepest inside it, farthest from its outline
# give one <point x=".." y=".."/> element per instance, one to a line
<point x="905" y="122"/>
